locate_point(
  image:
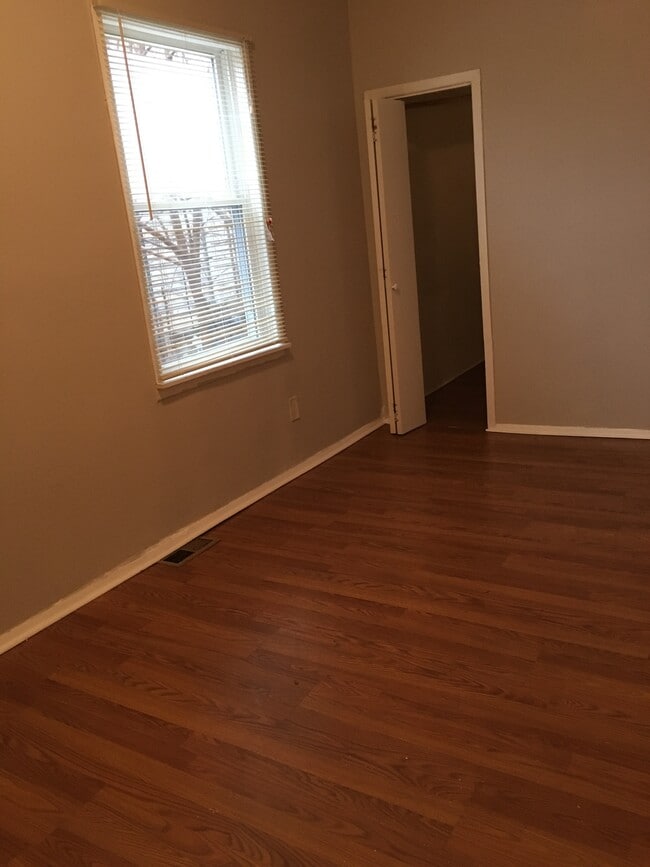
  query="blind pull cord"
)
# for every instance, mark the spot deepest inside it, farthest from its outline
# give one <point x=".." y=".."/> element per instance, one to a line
<point x="135" y="117"/>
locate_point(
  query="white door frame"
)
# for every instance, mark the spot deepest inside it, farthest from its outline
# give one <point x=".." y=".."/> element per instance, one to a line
<point x="472" y="78"/>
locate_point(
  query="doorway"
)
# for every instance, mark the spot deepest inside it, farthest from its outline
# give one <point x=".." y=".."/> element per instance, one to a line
<point x="426" y="163"/>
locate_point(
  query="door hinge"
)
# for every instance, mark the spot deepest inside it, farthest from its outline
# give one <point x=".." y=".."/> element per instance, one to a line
<point x="375" y="129"/>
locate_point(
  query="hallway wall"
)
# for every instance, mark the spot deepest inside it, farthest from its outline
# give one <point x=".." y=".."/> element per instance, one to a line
<point x="443" y="195"/>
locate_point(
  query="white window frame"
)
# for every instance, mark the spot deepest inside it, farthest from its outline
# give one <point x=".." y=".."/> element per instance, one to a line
<point x="242" y="353"/>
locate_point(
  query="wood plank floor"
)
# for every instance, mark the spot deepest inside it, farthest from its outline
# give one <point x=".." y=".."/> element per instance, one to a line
<point x="431" y="650"/>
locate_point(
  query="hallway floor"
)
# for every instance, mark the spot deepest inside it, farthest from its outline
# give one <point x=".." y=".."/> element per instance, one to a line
<point x="431" y="650"/>
<point x="461" y="404"/>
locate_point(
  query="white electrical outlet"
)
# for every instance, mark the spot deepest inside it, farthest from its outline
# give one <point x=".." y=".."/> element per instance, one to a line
<point x="294" y="409"/>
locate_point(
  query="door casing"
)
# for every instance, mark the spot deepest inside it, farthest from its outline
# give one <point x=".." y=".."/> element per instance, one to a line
<point x="472" y="78"/>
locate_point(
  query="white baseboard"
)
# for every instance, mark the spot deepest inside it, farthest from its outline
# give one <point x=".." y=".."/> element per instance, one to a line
<point x="161" y="549"/>
<point x="557" y="431"/>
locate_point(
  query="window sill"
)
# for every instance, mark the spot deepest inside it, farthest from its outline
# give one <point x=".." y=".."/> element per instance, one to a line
<point x="196" y="378"/>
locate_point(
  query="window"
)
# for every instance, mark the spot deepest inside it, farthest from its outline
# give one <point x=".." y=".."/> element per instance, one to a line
<point x="185" y="117"/>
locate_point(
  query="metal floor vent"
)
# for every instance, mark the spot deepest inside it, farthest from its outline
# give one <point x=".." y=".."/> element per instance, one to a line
<point x="189" y="549"/>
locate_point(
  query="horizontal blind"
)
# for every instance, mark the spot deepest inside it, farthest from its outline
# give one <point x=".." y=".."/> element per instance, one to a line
<point x="185" y="114"/>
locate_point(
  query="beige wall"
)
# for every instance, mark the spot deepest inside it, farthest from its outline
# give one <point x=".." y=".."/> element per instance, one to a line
<point x="94" y="468"/>
<point x="443" y="195"/>
<point x="567" y="138"/>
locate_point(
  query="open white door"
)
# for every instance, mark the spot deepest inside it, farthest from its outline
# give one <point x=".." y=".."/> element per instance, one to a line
<point x="400" y="282"/>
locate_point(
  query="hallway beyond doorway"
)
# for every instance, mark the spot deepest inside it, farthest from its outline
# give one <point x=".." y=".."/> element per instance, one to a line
<point x="460" y="404"/>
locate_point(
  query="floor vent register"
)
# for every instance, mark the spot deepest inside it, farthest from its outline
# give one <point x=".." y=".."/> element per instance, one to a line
<point x="189" y="549"/>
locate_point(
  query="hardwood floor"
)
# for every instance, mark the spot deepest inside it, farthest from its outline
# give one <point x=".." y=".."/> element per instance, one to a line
<point x="431" y="650"/>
